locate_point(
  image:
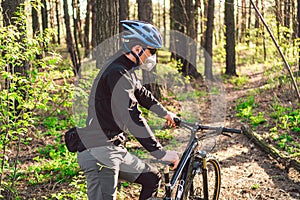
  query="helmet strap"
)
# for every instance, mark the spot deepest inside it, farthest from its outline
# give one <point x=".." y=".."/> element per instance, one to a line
<point x="137" y="57"/>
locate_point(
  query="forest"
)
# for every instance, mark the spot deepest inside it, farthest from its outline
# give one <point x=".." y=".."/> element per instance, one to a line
<point x="232" y="63"/>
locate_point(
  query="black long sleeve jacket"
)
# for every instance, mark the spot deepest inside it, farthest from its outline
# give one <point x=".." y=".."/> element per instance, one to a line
<point x="113" y="106"/>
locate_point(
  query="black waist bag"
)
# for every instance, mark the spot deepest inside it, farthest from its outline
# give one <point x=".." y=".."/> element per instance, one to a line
<point x="73" y="141"/>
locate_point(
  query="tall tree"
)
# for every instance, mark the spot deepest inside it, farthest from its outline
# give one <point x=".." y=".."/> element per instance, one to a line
<point x="124" y="11"/>
<point x="287" y="13"/>
<point x="183" y="50"/>
<point x="190" y="8"/>
<point x="107" y="25"/>
<point x="76" y="27"/>
<point x="278" y="14"/>
<point x="87" y="28"/>
<point x="44" y="20"/>
<point x="145" y="10"/>
<point x="165" y="23"/>
<point x="145" y="13"/>
<point x="44" y="15"/>
<point x="263" y="30"/>
<point x="230" y="38"/>
<point x="209" y="41"/>
<point x="249" y="22"/>
<point x="94" y="26"/>
<point x="35" y="20"/>
<point x="57" y="8"/>
<point x="70" y="40"/>
<point x="298" y="17"/>
<point x="243" y="21"/>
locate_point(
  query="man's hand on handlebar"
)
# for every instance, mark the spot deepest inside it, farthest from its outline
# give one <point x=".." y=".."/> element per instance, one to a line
<point x="170" y="119"/>
<point x="172" y="157"/>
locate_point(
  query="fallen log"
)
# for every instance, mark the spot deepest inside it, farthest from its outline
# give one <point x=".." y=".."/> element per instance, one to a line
<point x="287" y="161"/>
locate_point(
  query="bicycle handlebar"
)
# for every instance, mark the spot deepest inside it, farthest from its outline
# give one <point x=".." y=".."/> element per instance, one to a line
<point x="198" y="127"/>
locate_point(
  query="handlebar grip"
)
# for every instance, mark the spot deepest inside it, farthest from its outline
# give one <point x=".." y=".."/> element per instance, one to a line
<point x="177" y="121"/>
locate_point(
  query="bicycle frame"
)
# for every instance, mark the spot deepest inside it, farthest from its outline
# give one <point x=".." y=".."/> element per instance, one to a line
<point x="183" y="165"/>
<point x="184" y="169"/>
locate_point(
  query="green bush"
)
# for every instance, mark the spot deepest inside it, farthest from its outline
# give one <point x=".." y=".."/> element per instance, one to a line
<point x="30" y="89"/>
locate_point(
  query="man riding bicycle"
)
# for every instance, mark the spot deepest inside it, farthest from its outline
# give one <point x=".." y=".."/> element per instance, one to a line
<point x="113" y="109"/>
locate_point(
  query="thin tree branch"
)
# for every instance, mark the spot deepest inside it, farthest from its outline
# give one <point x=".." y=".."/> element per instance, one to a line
<point x="278" y="48"/>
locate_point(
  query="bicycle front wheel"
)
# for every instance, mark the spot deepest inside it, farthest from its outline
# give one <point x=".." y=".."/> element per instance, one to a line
<point x="206" y="182"/>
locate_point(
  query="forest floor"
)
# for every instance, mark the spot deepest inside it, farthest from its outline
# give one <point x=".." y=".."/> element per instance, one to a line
<point x="247" y="171"/>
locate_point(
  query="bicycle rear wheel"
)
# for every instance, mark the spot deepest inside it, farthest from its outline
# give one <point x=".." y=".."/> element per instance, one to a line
<point x="197" y="187"/>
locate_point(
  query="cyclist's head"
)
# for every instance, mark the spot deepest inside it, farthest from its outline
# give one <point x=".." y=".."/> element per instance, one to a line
<point x="140" y="33"/>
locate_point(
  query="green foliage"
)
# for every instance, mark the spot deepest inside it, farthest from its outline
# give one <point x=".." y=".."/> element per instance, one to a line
<point x="257" y="120"/>
<point x="238" y="81"/>
<point x="31" y="89"/>
<point x="164" y="134"/>
<point x="286" y="123"/>
<point x="288" y="120"/>
<point x="245" y="107"/>
<point x="78" y="191"/>
<point x="53" y="164"/>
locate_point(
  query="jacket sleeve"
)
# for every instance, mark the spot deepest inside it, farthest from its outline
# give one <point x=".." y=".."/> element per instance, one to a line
<point x="148" y="101"/>
<point x="126" y="114"/>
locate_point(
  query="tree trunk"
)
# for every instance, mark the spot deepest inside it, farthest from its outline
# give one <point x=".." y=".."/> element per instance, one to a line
<point x="79" y="23"/>
<point x="287" y="10"/>
<point x="70" y="41"/>
<point x="294" y="21"/>
<point x="145" y="13"/>
<point x="183" y="49"/>
<point x="94" y="26"/>
<point x="57" y="8"/>
<point x="237" y="25"/>
<point x="204" y="19"/>
<point x="44" y="15"/>
<point x="263" y="30"/>
<point x="35" y="21"/>
<point x="298" y="17"/>
<point x="35" y="25"/>
<point x="165" y="23"/>
<point x="107" y="25"/>
<point x="230" y="38"/>
<point x="76" y="29"/>
<point x="243" y="22"/>
<point x="209" y="41"/>
<point x="278" y="14"/>
<point x="44" y="20"/>
<point x="51" y="17"/>
<point x="124" y="12"/>
<point x="249" y="23"/>
<point x="87" y="29"/>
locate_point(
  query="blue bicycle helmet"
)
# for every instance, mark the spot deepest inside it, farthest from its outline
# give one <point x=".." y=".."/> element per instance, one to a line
<point x="142" y="32"/>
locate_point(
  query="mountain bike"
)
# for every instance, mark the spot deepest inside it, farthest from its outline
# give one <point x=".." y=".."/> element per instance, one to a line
<point x="198" y="175"/>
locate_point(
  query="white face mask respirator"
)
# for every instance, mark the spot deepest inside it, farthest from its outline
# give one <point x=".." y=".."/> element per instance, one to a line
<point x="149" y="63"/>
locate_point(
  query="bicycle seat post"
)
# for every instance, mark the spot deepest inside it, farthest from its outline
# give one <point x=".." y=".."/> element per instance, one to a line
<point x="167" y="182"/>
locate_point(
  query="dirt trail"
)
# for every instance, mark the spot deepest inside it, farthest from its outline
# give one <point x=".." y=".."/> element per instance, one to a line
<point x="248" y="172"/>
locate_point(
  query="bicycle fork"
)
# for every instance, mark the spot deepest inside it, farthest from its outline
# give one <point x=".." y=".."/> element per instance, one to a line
<point x="205" y="184"/>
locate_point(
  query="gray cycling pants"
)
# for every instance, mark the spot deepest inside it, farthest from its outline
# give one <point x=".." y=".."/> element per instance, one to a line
<point x="103" y="166"/>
